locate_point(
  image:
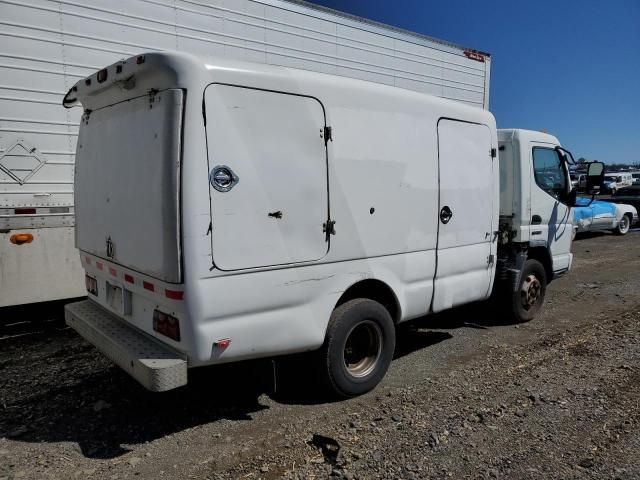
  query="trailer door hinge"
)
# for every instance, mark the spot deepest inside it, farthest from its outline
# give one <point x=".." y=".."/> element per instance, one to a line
<point x="329" y="228"/>
<point x="490" y="259"/>
<point x="494" y="153"/>
<point x="204" y="113"/>
<point x="327" y="134"/>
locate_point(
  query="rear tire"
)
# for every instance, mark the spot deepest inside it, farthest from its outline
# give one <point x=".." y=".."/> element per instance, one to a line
<point x="358" y="348"/>
<point x="624" y="225"/>
<point x="527" y="301"/>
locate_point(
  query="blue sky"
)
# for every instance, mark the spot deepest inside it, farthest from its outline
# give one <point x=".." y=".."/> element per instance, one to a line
<point x="569" y="67"/>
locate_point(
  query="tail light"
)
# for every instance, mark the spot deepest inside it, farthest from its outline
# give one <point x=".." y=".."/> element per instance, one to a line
<point x="91" y="284"/>
<point x="166" y="325"/>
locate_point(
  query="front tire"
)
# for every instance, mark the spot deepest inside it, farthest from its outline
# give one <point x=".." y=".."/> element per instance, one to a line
<point x="527" y="301"/>
<point x="623" y="225"/>
<point x="358" y="349"/>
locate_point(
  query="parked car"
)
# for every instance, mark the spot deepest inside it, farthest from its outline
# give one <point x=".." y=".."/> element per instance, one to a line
<point x="636" y="178"/>
<point x="628" y="195"/>
<point x="600" y="215"/>
<point x="615" y="181"/>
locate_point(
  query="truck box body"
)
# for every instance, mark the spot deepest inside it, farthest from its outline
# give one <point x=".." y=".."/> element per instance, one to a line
<point x="227" y="210"/>
<point x="251" y="275"/>
<point x="48" y="46"/>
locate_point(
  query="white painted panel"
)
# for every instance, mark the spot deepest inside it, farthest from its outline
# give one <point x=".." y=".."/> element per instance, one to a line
<point x="282" y="169"/>
<point x="110" y="175"/>
<point x="52" y="251"/>
<point x="467" y="189"/>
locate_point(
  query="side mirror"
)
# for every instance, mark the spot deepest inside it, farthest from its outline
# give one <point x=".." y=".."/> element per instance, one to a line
<point x="595" y="176"/>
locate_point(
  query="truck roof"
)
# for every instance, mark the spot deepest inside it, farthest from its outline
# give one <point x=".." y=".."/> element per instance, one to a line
<point x="384" y="28"/>
<point x="505" y="134"/>
<point x="156" y="71"/>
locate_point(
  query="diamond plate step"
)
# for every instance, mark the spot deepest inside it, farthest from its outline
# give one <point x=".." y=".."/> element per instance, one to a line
<point x="156" y="366"/>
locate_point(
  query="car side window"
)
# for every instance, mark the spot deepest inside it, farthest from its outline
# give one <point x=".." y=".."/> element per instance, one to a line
<point x="549" y="172"/>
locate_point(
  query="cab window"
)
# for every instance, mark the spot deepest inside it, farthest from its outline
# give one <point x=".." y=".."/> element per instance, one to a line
<point x="549" y="172"/>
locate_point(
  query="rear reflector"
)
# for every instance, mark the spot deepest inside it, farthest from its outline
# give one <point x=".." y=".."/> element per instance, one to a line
<point x="166" y="324"/>
<point x="128" y="278"/>
<point x="91" y="284"/>
<point x="99" y="265"/>
<point x="174" y="294"/>
<point x="24" y="211"/>
<point x="148" y="286"/>
<point x="113" y="272"/>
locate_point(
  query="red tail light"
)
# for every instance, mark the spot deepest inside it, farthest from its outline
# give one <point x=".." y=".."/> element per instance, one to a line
<point x="24" y="211"/>
<point x="166" y="325"/>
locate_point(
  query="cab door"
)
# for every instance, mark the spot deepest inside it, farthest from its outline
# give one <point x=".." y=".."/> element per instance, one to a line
<point x="267" y="177"/>
<point x="552" y="222"/>
<point x="467" y="213"/>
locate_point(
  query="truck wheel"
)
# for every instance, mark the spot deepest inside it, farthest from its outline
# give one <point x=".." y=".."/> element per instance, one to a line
<point x="527" y="301"/>
<point x="623" y="225"/>
<point x="358" y="348"/>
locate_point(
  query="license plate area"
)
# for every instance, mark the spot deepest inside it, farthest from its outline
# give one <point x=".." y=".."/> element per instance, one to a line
<point x="118" y="299"/>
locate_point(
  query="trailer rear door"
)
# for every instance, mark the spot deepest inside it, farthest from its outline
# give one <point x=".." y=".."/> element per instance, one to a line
<point x="269" y="147"/>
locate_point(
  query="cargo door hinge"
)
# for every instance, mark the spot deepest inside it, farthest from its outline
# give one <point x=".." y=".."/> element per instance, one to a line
<point x="494" y="153"/>
<point x="490" y="259"/>
<point x="327" y="134"/>
<point x="329" y="228"/>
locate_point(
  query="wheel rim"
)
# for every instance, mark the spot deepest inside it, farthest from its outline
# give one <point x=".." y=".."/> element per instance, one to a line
<point x="530" y="292"/>
<point x="624" y="224"/>
<point x="362" y="349"/>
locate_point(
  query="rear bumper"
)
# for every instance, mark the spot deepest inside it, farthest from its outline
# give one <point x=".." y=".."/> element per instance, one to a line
<point x="156" y="366"/>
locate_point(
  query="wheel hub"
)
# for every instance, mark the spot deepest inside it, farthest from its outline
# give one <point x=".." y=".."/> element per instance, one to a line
<point x="362" y="349"/>
<point x="530" y="291"/>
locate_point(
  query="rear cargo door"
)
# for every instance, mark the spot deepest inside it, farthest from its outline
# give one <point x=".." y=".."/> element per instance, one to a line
<point x="267" y="177"/>
<point x="127" y="184"/>
<point x="467" y="188"/>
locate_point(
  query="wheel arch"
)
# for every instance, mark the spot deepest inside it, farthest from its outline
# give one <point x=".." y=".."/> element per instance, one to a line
<point x="375" y="290"/>
<point x="542" y="255"/>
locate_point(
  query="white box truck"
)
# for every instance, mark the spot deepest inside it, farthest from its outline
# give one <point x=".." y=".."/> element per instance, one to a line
<point x="229" y="210"/>
<point x="47" y="46"/>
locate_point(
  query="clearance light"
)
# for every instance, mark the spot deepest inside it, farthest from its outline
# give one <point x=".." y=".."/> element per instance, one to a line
<point x="102" y="75"/>
<point x="174" y="294"/>
<point x="222" y="343"/>
<point x="91" y="284"/>
<point x="20" y="238"/>
<point x="166" y="325"/>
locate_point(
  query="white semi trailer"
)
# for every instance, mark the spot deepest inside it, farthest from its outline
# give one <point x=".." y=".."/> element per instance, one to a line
<point x="48" y="46"/>
<point x="229" y="210"/>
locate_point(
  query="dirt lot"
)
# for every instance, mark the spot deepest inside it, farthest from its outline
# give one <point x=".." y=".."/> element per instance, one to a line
<point x="466" y="397"/>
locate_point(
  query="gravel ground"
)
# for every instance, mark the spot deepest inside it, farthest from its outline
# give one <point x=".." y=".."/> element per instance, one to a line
<point x="466" y="397"/>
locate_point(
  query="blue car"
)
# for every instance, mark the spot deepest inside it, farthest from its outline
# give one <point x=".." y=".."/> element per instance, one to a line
<point x="599" y="215"/>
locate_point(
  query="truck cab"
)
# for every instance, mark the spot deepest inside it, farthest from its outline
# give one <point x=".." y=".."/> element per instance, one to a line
<point x="535" y="198"/>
